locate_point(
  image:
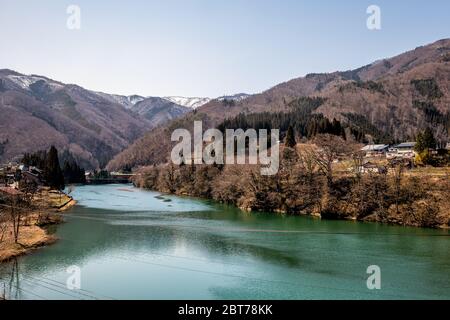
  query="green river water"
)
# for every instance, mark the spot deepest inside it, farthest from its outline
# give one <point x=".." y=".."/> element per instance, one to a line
<point x="134" y="244"/>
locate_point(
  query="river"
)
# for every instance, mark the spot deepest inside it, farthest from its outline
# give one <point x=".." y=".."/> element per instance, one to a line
<point x="129" y="243"/>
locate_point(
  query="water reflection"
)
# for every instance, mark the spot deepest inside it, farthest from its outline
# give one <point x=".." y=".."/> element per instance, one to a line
<point x="10" y="288"/>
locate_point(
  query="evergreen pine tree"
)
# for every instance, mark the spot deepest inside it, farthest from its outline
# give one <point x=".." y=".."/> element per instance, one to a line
<point x="52" y="173"/>
<point x="428" y="139"/>
<point x="425" y="140"/>
<point x="290" y="138"/>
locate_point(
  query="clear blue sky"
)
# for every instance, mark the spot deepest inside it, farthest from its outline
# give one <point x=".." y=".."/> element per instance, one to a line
<point x="207" y="47"/>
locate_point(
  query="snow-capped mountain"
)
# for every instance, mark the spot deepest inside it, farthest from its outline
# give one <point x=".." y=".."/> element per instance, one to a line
<point x="130" y="101"/>
<point x="126" y="101"/>
<point x="29" y="82"/>
<point x="159" y="110"/>
<point x="25" y="81"/>
<point x="37" y="112"/>
<point x="236" y="97"/>
<point x="193" y="103"/>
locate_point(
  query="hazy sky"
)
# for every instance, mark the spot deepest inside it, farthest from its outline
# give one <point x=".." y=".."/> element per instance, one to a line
<point x="207" y="47"/>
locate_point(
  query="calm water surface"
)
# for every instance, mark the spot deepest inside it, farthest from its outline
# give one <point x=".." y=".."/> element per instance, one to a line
<point x="135" y="244"/>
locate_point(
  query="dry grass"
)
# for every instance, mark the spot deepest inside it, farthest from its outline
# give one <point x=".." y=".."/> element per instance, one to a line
<point x="51" y="198"/>
<point x="430" y="171"/>
<point x="32" y="236"/>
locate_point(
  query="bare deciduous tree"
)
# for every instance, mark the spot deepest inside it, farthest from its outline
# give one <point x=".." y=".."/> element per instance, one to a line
<point x="357" y="163"/>
<point x="330" y="148"/>
<point x="19" y="206"/>
<point x="3" y="223"/>
<point x="169" y="178"/>
<point x="307" y="161"/>
<point x="15" y="216"/>
<point x="397" y="176"/>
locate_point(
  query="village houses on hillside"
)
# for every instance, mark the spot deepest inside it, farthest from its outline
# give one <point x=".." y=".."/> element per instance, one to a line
<point x="12" y="174"/>
<point x="400" y="153"/>
<point x="403" y="150"/>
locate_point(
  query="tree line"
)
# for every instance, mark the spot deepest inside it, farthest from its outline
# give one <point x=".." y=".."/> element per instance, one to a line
<point x="304" y="123"/>
<point x="56" y="172"/>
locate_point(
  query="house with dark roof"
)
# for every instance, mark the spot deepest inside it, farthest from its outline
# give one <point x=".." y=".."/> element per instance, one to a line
<point x="31" y="177"/>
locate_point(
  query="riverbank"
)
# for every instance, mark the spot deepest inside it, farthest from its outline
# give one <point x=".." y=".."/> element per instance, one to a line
<point x="33" y="226"/>
<point x="418" y="197"/>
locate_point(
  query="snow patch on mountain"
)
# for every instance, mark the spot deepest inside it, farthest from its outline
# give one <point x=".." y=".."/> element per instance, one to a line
<point x="25" y="82"/>
<point x="126" y="101"/>
<point x="193" y="103"/>
<point x="236" y="97"/>
<point x="135" y="99"/>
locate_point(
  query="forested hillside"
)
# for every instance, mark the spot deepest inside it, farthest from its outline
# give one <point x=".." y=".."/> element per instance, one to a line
<point x="390" y="100"/>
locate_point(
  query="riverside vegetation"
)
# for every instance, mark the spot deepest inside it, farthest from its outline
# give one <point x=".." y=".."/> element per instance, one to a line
<point x="320" y="178"/>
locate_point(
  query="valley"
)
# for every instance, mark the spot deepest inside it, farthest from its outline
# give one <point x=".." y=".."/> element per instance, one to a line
<point x="37" y="112"/>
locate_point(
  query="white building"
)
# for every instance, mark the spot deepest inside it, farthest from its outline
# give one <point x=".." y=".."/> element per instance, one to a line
<point x="375" y="150"/>
<point x="403" y="150"/>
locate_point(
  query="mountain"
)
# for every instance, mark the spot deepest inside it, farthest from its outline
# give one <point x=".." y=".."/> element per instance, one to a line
<point x="159" y="110"/>
<point x="154" y="109"/>
<point x="192" y="103"/>
<point x="398" y="96"/>
<point x="38" y="112"/>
